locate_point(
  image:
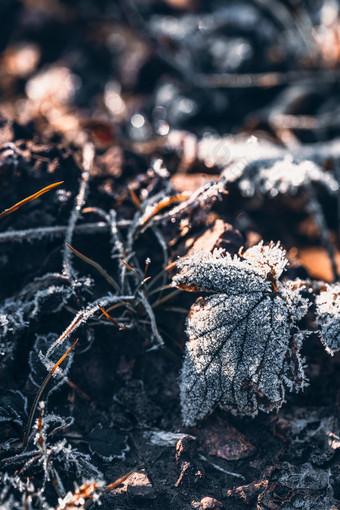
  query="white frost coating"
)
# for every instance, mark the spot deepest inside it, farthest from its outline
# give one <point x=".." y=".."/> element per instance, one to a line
<point x="328" y="317"/>
<point x="274" y="177"/>
<point x="225" y="151"/>
<point x="262" y="167"/>
<point x="84" y="315"/>
<point x="243" y="348"/>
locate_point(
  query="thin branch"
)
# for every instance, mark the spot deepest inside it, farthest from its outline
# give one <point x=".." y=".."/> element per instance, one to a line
<point x="147" y="307"/>
<point x="36" y="234"/>
<point x="88" y="156"/>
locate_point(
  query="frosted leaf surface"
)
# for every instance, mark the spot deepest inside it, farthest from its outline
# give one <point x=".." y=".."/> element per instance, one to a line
<point x="243" y="348"/>
<point x="328" y="317"/>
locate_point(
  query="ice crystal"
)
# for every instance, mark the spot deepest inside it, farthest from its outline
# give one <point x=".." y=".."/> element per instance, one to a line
<point x="243" y="348"/>
<point x="328" y="317"/>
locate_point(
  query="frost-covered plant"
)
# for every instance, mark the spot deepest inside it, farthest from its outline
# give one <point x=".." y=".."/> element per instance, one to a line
<point x="328" y="317"/>
<point x="18" y="492"/>
<point x="50" y="459"/>
<point x="244" y="342"/>
<point x="281" y="176"/>
<point x="40" y="363"/>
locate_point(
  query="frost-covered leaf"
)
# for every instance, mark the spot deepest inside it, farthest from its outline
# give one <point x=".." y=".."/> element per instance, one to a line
<point x="13" y="407"/>
<point x="328" y="317"/>
<point x="281" y="176"/>
<point x="258" y="166"/>
<point x="45" y="294"/>
<point x="243" y="348"/>
<point x="108" y="443"/>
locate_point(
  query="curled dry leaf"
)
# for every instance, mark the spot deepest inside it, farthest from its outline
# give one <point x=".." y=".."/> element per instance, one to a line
<point x="244" y="342"/>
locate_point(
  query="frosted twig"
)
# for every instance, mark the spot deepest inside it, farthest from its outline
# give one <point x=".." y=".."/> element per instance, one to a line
<point x="111" y="219"/>
<point x="207" y="191"/>
<point x="88" y="156"/>
<point x="219" y="468"/>
<point x="118" y="249"/>
<point x="138" y="218"/>
<point x="164" y="248"/>
<point x="117" y="243"/>
<point x="337" y="174"/>
<point x="36" y="234"/>
<point x="84" y="315"/>
<point x="223" y="151"/>
<point x="147" y="307"/>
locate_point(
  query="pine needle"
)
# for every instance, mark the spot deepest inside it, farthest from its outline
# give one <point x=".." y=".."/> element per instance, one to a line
<point x="29" y="199"/>
<point x="40" y="392"/>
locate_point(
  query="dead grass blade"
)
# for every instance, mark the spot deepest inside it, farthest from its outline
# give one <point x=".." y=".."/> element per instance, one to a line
<point x="40" y="392"/>
<point x="131" y="269"/>
<point x="111" y="319"/>
<point x="165" y="203"/>
<point x="113" y="307"/>
<point x="134" y="198"/>
<point x="110" y="487"/>
<point x="16" y="206"/>
<point x="96" y="266"/>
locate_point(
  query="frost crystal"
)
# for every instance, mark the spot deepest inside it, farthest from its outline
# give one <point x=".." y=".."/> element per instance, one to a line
<point x="328" y="317"/>
<point x="243" y="348"/>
